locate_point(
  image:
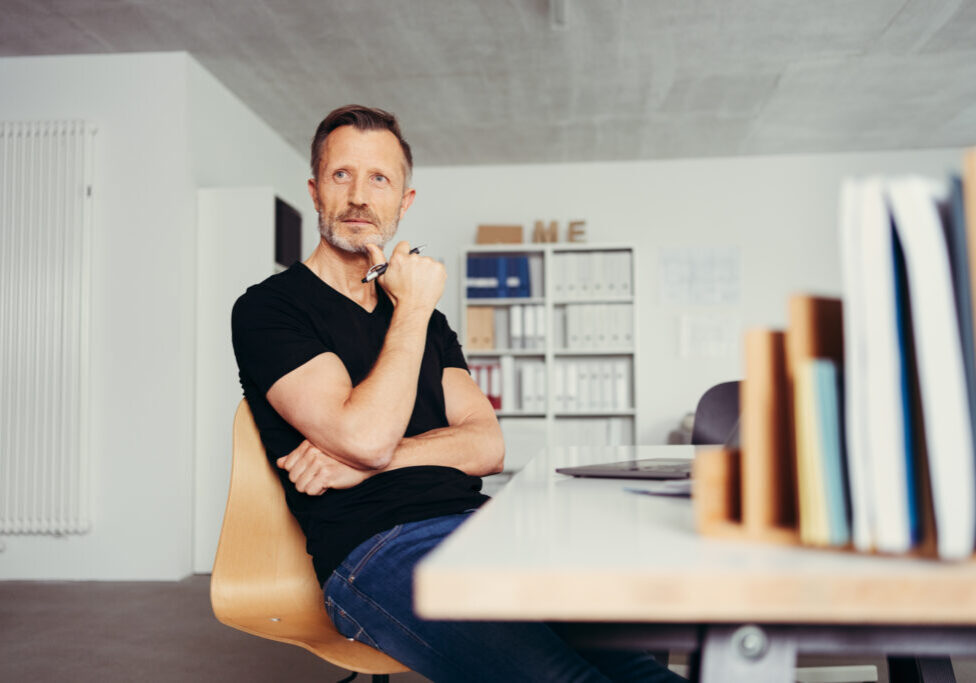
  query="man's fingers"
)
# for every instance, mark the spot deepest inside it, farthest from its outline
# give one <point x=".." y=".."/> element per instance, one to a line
<point x="286" y="462"/>
<point x="402" y="249"/>
<point x="375" y="254"/>
<point x="305" y="479"/>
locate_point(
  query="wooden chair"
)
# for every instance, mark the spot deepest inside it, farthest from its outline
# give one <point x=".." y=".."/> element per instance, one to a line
<point x="263" y="582"/>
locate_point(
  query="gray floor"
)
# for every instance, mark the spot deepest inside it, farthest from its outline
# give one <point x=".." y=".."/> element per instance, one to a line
<point x="89" y="632"/>
<point x="161" y="632"/>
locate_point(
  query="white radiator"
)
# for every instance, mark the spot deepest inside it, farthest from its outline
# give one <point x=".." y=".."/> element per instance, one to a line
<point x="45" y="235"/>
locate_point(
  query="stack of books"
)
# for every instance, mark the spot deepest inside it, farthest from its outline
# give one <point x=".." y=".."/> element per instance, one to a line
<point x="859" y="420"/>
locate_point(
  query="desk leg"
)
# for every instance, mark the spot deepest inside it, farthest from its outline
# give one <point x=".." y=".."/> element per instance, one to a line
<point x="746" y="653"/>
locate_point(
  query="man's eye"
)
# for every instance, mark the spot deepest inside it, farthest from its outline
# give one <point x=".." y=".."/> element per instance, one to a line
<point x="379" y="178"/>
<point x="340" y="175"/>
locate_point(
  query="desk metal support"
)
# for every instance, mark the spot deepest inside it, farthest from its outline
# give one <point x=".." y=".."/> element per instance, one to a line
<point x="746" y="653"/>
<point x="730" y="652"/>
<point x="768" y="653"/>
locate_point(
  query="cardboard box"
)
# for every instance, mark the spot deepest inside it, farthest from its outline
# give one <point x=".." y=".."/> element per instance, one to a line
<point x="499" y="234"/>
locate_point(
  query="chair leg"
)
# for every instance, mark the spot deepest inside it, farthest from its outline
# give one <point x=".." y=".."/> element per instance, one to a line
<point x="352" y="675"/>
<point x="661" y="656"/>
<point x="920" y="670"/>
<point x="381" y="678"/>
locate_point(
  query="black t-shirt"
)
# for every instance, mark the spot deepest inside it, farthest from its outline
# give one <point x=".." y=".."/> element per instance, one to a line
<point x="292" y="317"/>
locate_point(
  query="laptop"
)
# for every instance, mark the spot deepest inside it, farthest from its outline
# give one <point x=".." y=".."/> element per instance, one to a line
<point x="648" y="468"/>
<point x="645" y="468"/>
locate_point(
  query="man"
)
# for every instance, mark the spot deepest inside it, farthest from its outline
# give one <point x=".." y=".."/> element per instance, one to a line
<point x="363" y="400"/>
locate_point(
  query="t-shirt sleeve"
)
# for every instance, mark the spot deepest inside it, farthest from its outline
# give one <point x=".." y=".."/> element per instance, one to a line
<point x="271" y="337"/>
<point x="451" y="354"/>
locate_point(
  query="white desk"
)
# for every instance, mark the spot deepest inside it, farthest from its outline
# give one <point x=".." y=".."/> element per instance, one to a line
<point x="554" y="547"/>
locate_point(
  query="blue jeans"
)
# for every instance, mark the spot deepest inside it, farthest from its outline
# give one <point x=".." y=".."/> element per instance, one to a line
<point x="369" y="597"/>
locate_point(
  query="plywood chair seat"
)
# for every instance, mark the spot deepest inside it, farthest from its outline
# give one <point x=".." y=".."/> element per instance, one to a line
<point x="263" y="582"/>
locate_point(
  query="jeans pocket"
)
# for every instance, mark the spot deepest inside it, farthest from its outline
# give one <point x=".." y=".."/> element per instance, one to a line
<point x="376" y="544"/>
<point x="346" y="625"/>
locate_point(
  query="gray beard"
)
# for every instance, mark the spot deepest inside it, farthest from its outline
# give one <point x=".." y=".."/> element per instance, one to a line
<point x="327" y="231"/>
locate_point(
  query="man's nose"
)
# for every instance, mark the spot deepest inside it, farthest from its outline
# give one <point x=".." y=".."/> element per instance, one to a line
<point x="357" y="192"/>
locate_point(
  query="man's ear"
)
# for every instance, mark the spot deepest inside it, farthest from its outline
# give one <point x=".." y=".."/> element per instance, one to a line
<point x="313" y="192"/>
<point x="406" y="201"/>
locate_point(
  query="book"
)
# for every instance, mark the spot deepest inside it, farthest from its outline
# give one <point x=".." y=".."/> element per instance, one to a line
<point x="939" y="359"/>
<point x="880" y="427"/>
<point x="814" y="524"/>
<point x="854" y="271"/>
<point x="969" y="209"/>
<point x="827" y="380"/>
<point x="814" y="331"/>
<point x="768" y="479"/>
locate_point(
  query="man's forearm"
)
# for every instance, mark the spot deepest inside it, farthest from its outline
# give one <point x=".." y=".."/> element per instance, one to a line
<point x="475" y="447"/>
<point x="378" y="409"/>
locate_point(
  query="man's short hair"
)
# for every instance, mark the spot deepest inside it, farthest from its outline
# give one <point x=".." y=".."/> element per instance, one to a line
<point x="360" y="118"/>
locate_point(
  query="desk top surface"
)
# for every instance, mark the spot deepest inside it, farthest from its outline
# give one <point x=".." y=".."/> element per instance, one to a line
<point x="551" y="546"/>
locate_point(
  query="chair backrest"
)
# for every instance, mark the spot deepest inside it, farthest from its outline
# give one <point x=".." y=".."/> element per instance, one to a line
<point x="263" y="582"/>
<point x="717" y="414"/>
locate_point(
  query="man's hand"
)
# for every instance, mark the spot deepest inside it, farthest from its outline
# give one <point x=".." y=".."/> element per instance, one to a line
<point x="314" y="472"/>
<point x="411" y="279"/>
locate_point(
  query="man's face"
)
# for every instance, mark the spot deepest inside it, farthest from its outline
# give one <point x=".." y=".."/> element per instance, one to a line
<point x="359" y="192"/>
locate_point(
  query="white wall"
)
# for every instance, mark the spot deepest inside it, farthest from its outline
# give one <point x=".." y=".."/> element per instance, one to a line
<point x="780" y="212"/>
<point x="165" y="127"/>
<point x="230" y="147"/>
<point x="141" y="348"/>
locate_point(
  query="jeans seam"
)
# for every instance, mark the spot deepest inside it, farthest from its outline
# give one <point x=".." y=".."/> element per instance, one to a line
<point x="385" y="538"/>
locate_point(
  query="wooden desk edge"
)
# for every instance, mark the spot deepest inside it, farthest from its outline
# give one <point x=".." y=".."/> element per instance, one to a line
<point x="631" y="596"/>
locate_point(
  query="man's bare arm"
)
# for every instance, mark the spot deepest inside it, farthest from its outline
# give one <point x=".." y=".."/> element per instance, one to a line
<point x="471" y="443"/>
<point x="362" y="426"/>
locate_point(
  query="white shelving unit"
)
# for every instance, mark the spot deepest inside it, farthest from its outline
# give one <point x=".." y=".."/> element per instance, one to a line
<point x="595" y="309"/>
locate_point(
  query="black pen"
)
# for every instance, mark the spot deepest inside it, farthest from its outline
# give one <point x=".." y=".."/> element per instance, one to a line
<point x="380" y="268"/>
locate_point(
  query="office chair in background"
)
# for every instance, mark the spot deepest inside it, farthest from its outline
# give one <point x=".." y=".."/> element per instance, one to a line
<point x="717" y="415"/>
<point x="263" y="582"/>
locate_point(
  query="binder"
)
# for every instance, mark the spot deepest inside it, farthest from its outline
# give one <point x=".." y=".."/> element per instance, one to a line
<point x="536" y="283"/>
<point x="530" y="337"/>
<point x="559" y="340"/>
<point x="480" y="333"/>
<point x="515" y="329"/>
<point x="509" y="389"/>
<point x="539" y="311"/>
<point x="500" y="315"/>
<point x="495" y="385"/>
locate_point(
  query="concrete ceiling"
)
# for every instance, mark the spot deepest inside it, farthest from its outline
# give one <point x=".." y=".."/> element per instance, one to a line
<point x="496" y="81"/>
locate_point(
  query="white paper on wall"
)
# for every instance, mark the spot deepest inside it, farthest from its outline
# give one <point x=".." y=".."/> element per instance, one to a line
<point x="699" y="276"/>
<point x="704" y="335"/>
